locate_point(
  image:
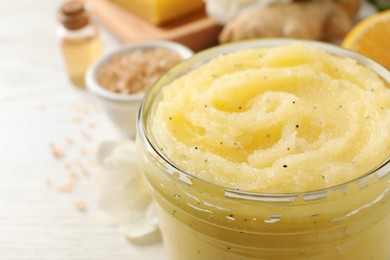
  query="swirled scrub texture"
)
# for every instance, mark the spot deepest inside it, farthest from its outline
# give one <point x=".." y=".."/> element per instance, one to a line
<point x="279" y="119"/>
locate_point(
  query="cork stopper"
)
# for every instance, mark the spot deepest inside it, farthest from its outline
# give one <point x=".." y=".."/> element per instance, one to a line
<point x="73" y="15"/>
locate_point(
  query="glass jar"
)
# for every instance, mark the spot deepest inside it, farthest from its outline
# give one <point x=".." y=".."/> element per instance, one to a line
<point x="201" y="220"/>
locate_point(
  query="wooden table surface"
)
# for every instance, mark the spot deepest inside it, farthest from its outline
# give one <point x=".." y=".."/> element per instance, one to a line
<point x="41" y="113"/>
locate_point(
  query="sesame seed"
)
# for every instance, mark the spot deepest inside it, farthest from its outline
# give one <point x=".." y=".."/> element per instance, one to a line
<point x="80" y="206"/>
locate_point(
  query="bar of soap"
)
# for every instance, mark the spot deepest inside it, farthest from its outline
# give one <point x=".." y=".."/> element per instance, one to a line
<point x="161" y="11"/>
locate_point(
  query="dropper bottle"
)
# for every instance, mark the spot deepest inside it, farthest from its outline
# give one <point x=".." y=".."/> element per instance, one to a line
<point x="80" y="40"/>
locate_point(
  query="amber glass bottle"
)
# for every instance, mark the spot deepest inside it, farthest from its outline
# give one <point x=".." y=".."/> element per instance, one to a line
<point x="80" y="40"/>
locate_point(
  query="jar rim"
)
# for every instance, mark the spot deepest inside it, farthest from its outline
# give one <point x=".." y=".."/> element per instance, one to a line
<point x="381" y="170"/>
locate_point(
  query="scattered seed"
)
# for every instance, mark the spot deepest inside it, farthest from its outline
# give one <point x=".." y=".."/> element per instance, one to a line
<point x="56" y="152"/>
<point x="84" y="172"/>
<point x="74" y="176"/>
<point x="49" y="183"/>
<point x="66" y="187"/>
<point x="68" y="166"/>
<point x="83" y="151"/>
<point x="82" y="168"/>
<point x="85" y="135"/>
<point x="76" y="119"/>
<point x="69" y="141"/>
<point x="80" y="206"/>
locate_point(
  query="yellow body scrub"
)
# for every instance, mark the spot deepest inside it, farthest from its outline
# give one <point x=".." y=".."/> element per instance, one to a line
<point x="270" y="150"/>
<point x="278" y="119"/>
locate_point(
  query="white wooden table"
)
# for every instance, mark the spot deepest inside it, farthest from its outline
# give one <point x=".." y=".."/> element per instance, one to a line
<point x="39" y="108"/>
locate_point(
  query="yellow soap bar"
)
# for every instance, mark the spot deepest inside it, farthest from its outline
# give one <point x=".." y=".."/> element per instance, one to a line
<point x="161" y="11"/>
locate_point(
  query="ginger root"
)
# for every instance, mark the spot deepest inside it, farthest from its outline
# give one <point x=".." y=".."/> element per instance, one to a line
<point x="314" y="20"/>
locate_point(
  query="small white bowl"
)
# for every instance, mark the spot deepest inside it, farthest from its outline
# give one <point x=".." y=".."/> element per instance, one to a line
<point x="122" y="109"/>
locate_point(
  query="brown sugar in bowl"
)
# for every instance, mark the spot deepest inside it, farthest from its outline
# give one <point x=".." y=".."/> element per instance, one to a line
<point x="120" y="79"/>
<point x="133" y="72"/>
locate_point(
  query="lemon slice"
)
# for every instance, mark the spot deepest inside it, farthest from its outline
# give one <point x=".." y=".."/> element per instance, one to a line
<point x="371" y="37"/>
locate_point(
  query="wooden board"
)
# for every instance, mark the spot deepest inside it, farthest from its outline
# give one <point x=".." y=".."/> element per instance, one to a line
<point x="197" y="31"/>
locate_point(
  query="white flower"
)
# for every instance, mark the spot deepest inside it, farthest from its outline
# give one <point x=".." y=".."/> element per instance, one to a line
<point x="224" y="11"/>
<point x="123" y="193"/>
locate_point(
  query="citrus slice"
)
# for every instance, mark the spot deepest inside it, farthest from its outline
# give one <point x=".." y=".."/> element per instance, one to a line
<point x="371" y="37"/>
